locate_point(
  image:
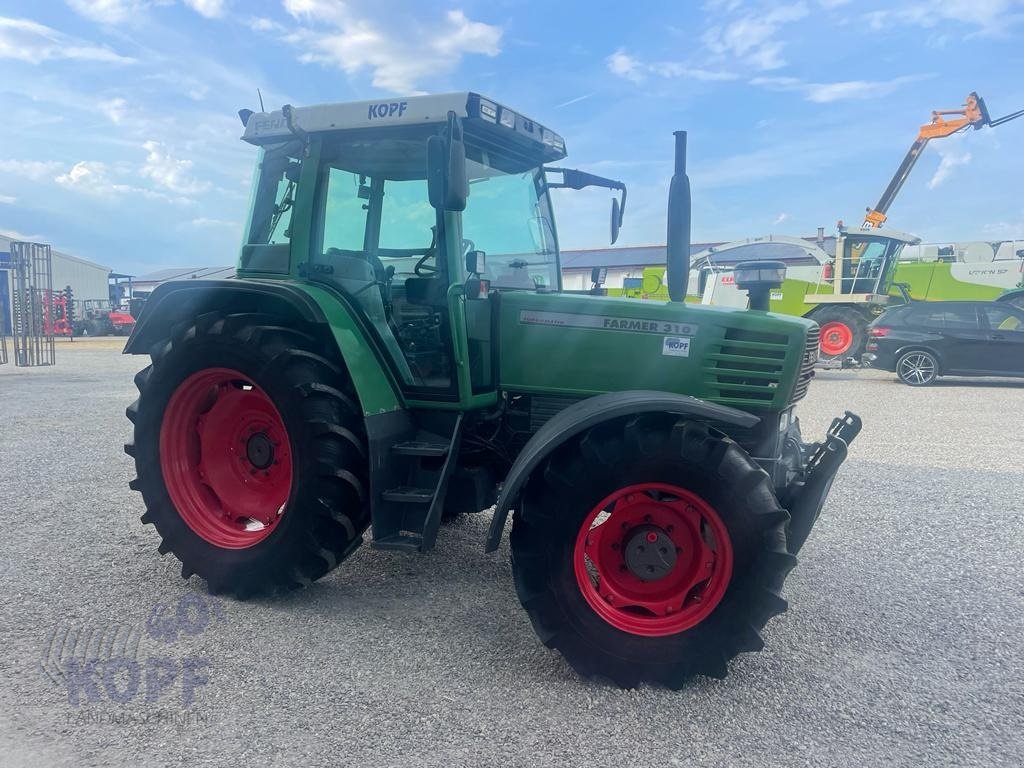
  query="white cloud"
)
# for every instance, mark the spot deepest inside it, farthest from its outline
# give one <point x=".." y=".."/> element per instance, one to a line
<point x="34" y="170"/>
<point x="115" y="109"/>
<point x="97" y="179"/>
<point x="108" y="11"/>
<point x="826" y="93"/>
<point x="8" y="199"/>
<point x="951" y="159"/>
<point x="213" y="223"/>
<point x="29" y="41"/>
<point x="169" y="172"/>
<point x="780" y="218"/>
<point x="260" y="24"/>
<point x="629" y="67"/>
<point x="990" y="16"/>
<point x="121" y="11"/>
<point x="211" y="9"/>
<point x="754" y="36"/>
<point x="622" y="64"/>
<point x="331" y="34"/>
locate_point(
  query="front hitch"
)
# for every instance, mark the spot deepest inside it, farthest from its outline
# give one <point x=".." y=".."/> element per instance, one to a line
<point x="808" y="496"/>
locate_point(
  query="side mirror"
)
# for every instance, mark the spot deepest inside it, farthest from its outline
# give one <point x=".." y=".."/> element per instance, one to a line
<point x="476" y="262"/>
<point x="598" y="275"/>
<point x="616" y="220"/>
<point x="447" y="185"/>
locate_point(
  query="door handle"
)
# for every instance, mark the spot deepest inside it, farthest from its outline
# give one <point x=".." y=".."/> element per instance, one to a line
<point x="997" y="336"/>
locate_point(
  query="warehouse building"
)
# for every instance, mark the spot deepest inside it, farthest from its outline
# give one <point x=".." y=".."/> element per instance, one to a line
<point x="87" y="279"/>
<point x="629" y="262"/>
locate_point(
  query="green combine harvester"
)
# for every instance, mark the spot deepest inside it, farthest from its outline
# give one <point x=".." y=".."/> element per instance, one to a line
<point x="397" y="350"/>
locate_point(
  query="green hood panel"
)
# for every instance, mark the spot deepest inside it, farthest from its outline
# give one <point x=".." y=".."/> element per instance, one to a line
<point x="571" y="344"/>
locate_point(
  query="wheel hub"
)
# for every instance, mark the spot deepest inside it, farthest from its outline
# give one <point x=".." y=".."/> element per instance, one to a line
<point x="650" y="553"/>
<point x="260" y="450"/>
<point x="226" y="458"/>
<point x="653" y="559"/>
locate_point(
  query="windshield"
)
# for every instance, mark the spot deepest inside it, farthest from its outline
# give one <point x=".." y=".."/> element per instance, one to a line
<point x="381" y="209"/>
<point x="508" y="216"/>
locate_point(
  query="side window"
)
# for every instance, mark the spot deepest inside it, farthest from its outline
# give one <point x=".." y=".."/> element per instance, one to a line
<point x="1003" y="319"/>
<point x="266" y="244"/>
<point x="963" y="318"/>
<point x="406" y="216"/>
<point x="945" y="318"/>
<point x="927" y="318"/>
<point x="344" y="212"/>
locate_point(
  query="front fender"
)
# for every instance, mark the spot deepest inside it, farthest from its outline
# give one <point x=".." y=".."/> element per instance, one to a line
<point x="580" y="417"/>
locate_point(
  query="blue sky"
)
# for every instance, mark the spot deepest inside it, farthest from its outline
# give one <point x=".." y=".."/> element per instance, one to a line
<point x="120" y="138"/>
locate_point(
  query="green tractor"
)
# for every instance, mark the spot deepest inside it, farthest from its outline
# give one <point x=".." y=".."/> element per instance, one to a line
<point x="397" y="350"/>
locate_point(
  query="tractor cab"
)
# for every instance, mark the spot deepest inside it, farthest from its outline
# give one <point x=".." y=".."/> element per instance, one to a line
<point x="866" y="262"/>
<point x="403" y="208"/>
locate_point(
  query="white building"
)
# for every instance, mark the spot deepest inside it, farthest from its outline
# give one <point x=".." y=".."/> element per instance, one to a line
<point x="87" y="279"/>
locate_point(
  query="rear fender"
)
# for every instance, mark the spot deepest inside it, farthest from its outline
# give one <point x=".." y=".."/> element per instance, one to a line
<point x="580" y="417"/>
<point x="178" y="301"/>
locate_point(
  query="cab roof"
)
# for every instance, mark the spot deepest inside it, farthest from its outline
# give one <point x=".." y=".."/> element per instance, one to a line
<point x="495" y="118"/>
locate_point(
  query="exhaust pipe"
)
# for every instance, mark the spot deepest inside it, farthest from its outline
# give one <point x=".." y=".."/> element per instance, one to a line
<point x="678" y="241"/>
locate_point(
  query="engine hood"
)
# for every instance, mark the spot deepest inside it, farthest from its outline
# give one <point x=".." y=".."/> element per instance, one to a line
<point x="578" y="345"/>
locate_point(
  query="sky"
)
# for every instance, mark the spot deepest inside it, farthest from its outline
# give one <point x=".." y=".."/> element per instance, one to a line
<point x="120" y="141"/>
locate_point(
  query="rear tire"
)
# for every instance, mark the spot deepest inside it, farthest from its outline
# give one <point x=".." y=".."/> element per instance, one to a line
<point x="673" y="628"/>
<point x="267" y="487"/>
<point x="844" y="332"/>
<point x="917" y="368"/>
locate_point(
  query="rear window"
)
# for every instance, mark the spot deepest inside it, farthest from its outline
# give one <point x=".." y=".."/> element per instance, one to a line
<point x="948" y="318"/>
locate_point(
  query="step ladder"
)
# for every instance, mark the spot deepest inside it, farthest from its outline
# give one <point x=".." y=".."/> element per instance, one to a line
<point x="408" y="515"/>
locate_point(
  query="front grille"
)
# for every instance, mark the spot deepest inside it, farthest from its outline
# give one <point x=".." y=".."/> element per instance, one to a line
<point x="803" y="381"/>
<point x="746" y="367"/>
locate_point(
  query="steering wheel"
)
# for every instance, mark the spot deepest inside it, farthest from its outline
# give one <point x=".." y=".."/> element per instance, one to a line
<point x="422" y="269"/>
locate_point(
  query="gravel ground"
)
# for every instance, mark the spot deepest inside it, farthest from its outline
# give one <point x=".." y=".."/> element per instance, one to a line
<point x="901" y="646"/>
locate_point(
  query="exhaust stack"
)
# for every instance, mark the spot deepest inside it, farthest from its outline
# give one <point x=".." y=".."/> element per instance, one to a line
<point x="678" y="240"/>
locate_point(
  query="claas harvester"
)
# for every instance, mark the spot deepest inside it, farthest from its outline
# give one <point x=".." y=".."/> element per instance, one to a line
<point x="397" y="350"/>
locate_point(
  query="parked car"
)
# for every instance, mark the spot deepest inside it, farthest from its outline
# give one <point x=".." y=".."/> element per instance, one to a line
<point x="921" y="341"/>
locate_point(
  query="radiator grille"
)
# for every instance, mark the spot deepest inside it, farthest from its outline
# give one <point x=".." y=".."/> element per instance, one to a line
<point x="803" y="381"/>
<point x="747" y="367"/>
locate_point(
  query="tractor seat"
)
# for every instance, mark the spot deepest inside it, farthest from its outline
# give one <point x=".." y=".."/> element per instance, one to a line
<point x="357" y="278"/>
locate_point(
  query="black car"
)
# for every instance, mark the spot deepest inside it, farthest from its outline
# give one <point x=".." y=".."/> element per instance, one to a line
<point x="922" y="341"/>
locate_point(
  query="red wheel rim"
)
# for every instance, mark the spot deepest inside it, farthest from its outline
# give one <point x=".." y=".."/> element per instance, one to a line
<point x="836" y="338"/>
<point x="684" y="591"/>
<point x="226" y="458"/>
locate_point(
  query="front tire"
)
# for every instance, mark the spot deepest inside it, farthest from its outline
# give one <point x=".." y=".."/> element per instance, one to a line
<point x="251" y="454"/>
<point x="592" y="552"/>
<point x="918" y="368"/>
<point x="844" y="332"/>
